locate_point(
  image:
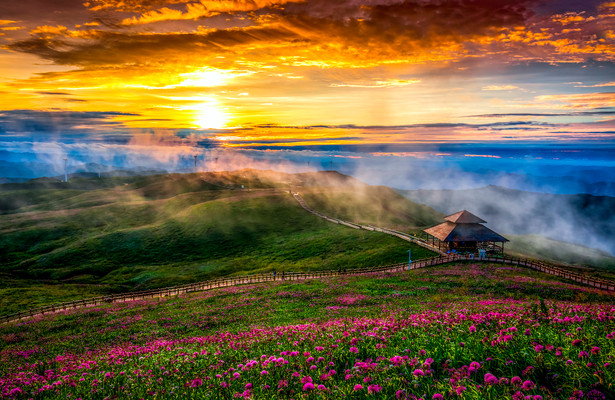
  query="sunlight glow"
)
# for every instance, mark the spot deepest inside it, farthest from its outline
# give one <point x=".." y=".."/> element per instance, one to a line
<point x="210" y="115"/>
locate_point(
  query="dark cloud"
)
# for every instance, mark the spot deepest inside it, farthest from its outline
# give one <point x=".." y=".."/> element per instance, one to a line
<point x="34" y="121"/>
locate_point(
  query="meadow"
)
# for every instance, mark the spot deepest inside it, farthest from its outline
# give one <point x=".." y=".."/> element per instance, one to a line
<point x="459" y="331"/>
<point x="92" y="237"/>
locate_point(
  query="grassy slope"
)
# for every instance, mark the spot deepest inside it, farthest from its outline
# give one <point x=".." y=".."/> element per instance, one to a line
<point x="378" y="205"/>
<point x="146" y="232"/>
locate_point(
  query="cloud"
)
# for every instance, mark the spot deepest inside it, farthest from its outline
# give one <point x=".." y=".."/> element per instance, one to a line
<point x="501" y="87"/>
<point x="583" y="100"/>
<point x="25" y="122"/>
<point x="385" y="83"/>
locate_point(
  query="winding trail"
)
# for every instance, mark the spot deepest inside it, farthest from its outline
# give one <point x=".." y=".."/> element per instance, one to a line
<point x="603" y="284"/>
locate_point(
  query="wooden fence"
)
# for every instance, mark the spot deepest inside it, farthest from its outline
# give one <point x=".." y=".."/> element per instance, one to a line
<point x="295" y="276"/>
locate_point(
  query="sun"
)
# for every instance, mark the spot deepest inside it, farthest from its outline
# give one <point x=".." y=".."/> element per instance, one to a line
<point x="210" y="115"/>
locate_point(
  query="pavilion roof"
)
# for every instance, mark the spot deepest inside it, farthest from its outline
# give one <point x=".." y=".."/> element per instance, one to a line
<point x="464" y="232"/>
<point x="464" y="217"/>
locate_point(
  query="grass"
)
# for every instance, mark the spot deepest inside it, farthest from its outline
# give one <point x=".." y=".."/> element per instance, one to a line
<point x="376" y="331"/>
<point x="149" y="232"/>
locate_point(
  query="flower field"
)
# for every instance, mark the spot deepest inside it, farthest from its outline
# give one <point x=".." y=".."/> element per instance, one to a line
<point x="451" y="332"/>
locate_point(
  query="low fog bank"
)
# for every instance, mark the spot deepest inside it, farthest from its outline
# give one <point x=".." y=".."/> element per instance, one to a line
<point x="582" y="219"/>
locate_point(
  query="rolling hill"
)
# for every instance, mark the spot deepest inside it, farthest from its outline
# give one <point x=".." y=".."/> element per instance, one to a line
<point x="88" y="237"/>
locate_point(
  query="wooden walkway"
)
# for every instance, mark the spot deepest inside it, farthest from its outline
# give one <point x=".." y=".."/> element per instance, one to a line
<point x="296" y="276"/>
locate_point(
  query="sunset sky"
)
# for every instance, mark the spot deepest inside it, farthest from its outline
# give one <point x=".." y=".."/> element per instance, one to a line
<point x="292" y="74"/>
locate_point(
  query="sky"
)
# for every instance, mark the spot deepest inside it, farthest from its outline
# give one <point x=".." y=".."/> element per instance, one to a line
<point x="461" y="84"/>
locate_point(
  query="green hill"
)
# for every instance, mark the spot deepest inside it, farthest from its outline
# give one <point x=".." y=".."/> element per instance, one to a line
<point x="135" y="233"/>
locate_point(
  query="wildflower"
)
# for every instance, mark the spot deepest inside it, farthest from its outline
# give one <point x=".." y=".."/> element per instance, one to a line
<point x="437" y="396"/>
<point x="264" y="372"/>
<point x="538" y="348"/>
<point x="474" y="365"/>
<point x="282" y="384"/>
<point x="516" y="381"/>
<point x="322" y="388"/>
<point x="528" y="385"/>
<point x="595" y="350"/>
<point x="308" y="386"/>
<point x="595" y="395"/>
<point x="503" y="381"/>
<point x="374" y="389"/>
<point x="527" y="332"/>
<point x="418" y="372"/>
<point x="357" y="387"/>
<point x="400" y="394"/>
<point x="472" y="329"/>
<point x="248" y="386"/>
<point x="576" y="342"/>
<point x="306" y="379"/>
<point x="490" y="379"/>
<point x="459" y="390"/>
<point x="583" y="354"/>
<point x="537" y="397"/>
<point x="354" y="350"/>
<point x="196" y="382"/>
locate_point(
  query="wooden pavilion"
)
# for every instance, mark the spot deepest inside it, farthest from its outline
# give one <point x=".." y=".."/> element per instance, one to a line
<point x="464" y="232"/>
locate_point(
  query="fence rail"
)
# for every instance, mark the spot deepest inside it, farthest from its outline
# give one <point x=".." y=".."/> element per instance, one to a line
<point x="295" y="276"/>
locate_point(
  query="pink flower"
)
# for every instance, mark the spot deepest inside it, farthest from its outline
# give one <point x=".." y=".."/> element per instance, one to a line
<point x="196" y="382"/>
<point x="472" y="328"/>
<point x="264" y="372"/>
<point x="306" y="379"/>
<point x="357" y="387"/>
<point x="322" y="388"/>
<point x="248" y="386"/>
<point x="490" y="379"/>
<point x="528" y="385"/>
<point x="308" y="386"/>
<point x="538" y="348"/>
<point x="354" y="350"/>
<point x="437" y="396"/>
<point x="418" y="372"/>
<point x="595" y="350"/>
<point x="282" y="384"/>
<point x="374" y="389"/>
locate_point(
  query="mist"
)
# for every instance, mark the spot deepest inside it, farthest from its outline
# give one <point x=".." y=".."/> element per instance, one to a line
<point x="548" y="180"/>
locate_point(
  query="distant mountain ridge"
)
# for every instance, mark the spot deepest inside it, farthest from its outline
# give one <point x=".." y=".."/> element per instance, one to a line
<point x="581" y="218"/>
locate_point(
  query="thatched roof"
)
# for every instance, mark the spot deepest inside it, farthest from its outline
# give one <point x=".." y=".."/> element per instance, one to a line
<point x="464" y="217"/>
<point x="450" y="232"/>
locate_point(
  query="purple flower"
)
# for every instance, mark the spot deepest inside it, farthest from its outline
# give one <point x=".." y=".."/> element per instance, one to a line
<point x="354" y="350"/>
<point x="374" y="389"/>
<point x="308" y="386"/>
<point x="357" y="387"/>
<point x="490" y="379"/>
<point x="418" y="372"/>
<point x="437" y="396"/>
<point x="322" y="387"/>
<point x="538" y="348"/>
<point x="528" y="385"/>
